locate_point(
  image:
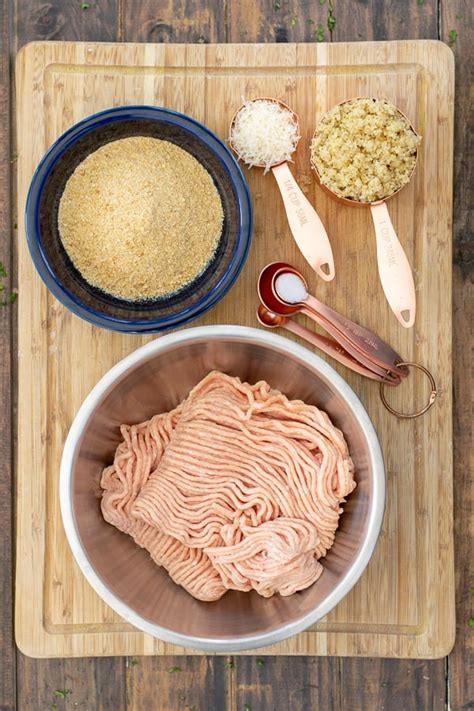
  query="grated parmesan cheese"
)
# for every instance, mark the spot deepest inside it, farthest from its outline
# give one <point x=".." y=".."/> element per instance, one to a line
<point x="264" y="133"/>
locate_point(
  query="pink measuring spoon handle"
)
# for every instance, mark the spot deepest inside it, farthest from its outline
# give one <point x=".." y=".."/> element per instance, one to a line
<point x="347" y="345"/>
<point x="305" y="224"/>
<point x="333" y="349"/>
<point x="359" y="341"/>
<point x="395" y="272"/>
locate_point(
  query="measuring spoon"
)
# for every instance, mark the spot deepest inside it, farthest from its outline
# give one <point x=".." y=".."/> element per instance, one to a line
<point x="305" y="224"/>
<point x="362" y="344"/>
<point x="269" y="319"/>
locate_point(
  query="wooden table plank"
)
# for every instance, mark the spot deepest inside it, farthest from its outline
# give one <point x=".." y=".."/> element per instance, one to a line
<point x="307" y="21"/>
<point x="174" y="21"/>
<point x="7" y="648"/>
<point x="457" y="28"/>
<point x="386" y="20"/>
<point x="264" y="683"/>
<point x="95" y="684"/>
<point x="393" y="684"/>
<point x="184" y="683"/>
<point x="89" y="21"/>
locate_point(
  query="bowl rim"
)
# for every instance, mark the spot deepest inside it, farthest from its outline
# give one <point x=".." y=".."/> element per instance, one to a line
<point x="81" y="128"/>
<point x="241" y="334"/>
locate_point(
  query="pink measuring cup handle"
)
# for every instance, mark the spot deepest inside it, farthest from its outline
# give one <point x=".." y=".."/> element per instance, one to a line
<point x="305" y="224"/>
<point x="394" y="269"/>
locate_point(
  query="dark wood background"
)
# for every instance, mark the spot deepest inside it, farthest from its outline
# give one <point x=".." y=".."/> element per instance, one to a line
<point x="245" y="683"/>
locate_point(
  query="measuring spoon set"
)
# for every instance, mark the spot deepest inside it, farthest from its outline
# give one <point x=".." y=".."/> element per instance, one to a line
<point x="283" y="293"/>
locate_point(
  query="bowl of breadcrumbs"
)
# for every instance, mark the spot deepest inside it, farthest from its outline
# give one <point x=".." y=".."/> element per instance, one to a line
<point x="138" y="219"/>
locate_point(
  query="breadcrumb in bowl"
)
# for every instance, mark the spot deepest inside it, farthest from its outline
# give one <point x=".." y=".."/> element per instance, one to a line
<point x="364" y="150"/>
<point x="144" y="311"/>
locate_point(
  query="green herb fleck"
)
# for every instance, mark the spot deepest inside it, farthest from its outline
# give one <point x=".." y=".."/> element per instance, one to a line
<point x="11" y="298"/>
<point x="260" y="662"/>
<point x="277" y="6"/>
<point x="319" y="33"/>
<point x="471" y="589"/>
<point x="3" y="271"/>
<point x="229" y="665"/>
<point x="85" y="5"/>
<point x="471" y="622"/>
<point x="384" y="684"/>
<point x="452" y="37"/>
<point x="60" y="693"/>
<point x="459" y="17"/>
<point x="322" y="2"/>
<point x="2" y="287"/>
<point x="420" y="2"/>
<point x="247" y="707"/>
<point x="133" y="662"/>
<point x="54" y="705"/>
<point x="294" y="21"/>
<point x="14" y="158"/>
<point x="310" y="21"/>
<point x="172" y="670"/>
<point x="331" y="20"/>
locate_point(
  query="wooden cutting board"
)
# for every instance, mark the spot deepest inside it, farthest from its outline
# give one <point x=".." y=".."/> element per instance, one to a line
<point x="404" y="603"/>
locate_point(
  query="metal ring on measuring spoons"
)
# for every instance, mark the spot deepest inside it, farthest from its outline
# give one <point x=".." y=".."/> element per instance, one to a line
<point x="431" y="400"/>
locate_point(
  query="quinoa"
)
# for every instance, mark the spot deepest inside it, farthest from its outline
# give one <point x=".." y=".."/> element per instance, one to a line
<point x="364" y="150"/>
<point x="140" y="218"/>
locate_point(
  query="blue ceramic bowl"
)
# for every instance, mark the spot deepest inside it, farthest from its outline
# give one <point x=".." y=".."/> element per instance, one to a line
<point x="58" y="272"/>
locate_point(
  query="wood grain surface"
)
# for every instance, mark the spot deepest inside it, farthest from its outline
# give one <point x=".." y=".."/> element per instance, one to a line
<point x="402" y="609"/>
<point x="289" y="682"/>
<point x="7" y="665"/>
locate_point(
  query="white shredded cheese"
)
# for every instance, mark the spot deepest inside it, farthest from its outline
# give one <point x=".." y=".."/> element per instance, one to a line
<point x="264" y="133"/>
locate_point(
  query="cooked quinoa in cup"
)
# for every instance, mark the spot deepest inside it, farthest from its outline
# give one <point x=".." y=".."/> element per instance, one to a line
<point x="364" y="150"/>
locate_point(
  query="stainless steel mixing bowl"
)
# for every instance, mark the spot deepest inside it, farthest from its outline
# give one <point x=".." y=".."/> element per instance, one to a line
<point x="155" y="378"/>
